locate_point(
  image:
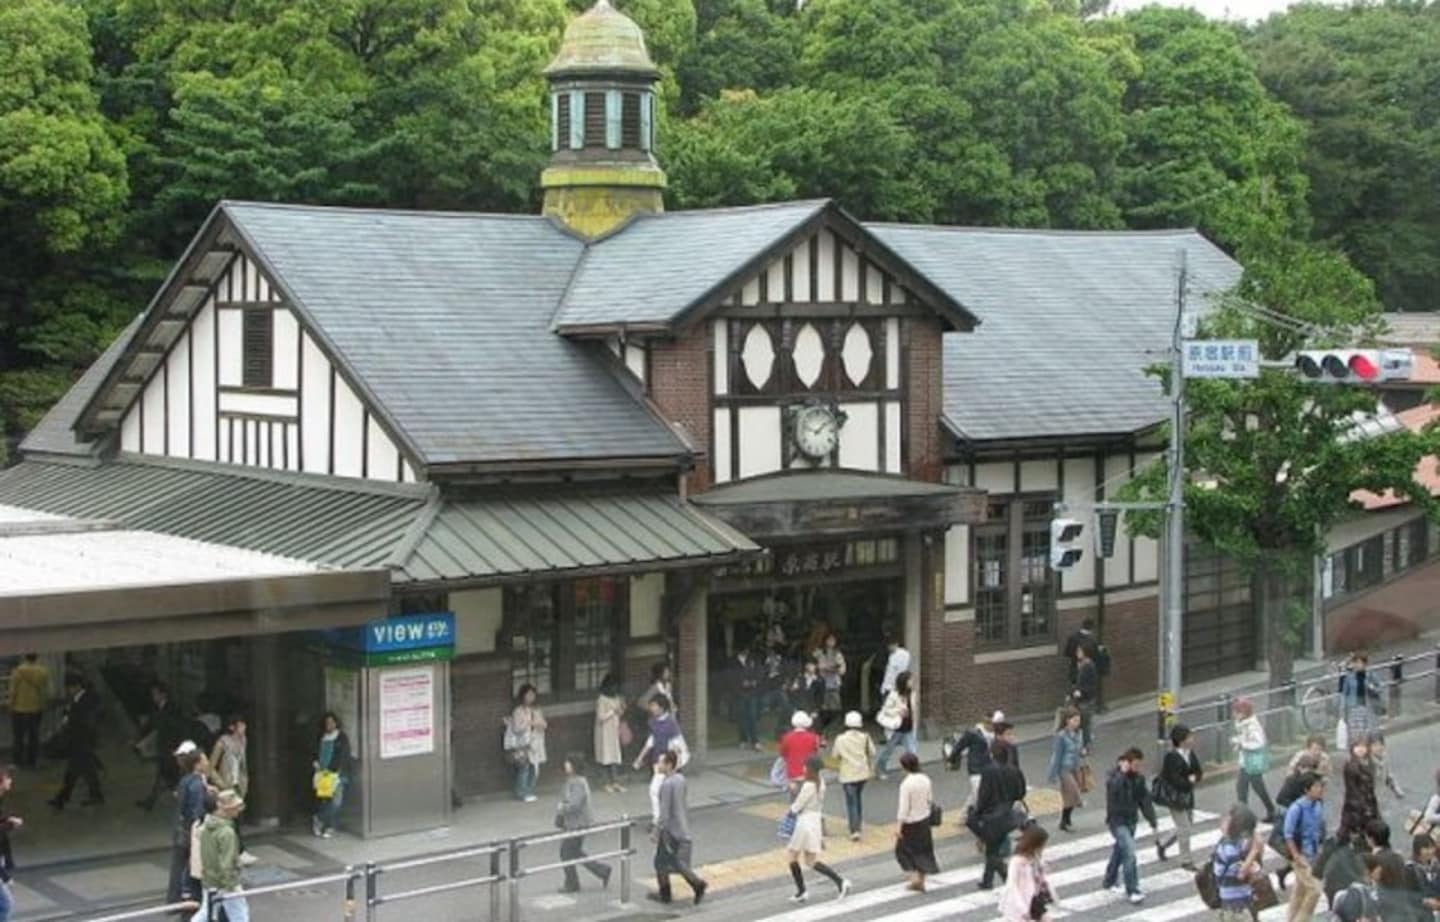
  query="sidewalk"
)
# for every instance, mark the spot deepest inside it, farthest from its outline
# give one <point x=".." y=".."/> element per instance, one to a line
<point x="735" y="811"/>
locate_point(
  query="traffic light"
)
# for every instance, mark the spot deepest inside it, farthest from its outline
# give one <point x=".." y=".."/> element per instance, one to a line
<point x="1109" y="522"/>
<point x="1065" y="550"/>
<point x="1354" y="366"/>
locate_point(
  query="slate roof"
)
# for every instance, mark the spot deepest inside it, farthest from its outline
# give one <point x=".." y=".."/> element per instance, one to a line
<point x="656" y="267"/>
<point x="54" y="433"/>
<point x="445" y="318"/>
<point x="1070" y="320"/>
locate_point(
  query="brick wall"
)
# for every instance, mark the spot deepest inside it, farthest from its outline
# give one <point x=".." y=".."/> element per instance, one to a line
<point x="1033" y="685"/>
<point x="479" y="701"/>
<point x="926" y="403"/>
<point x="680" y="386"/>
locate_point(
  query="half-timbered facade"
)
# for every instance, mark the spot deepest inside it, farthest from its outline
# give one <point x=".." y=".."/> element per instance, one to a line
<point x="611" y="435"/>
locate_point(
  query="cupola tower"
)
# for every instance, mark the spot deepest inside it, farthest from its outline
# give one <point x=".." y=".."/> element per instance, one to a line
<point x="602" y="124"/>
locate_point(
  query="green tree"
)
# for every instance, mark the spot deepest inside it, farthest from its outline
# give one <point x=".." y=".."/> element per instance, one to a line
<point x="740" y="45"/>
<point x="802" y="143"/>
<point x="63" y="188"/>
<point x="1272" y="463"/>
<point x="1365" y="79"/>
<point x="1205" y="144"/>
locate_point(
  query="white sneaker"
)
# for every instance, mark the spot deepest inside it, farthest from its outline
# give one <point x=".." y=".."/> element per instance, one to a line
<point x="530" y="798"/>
<point x="1116" y="889"/>
<point x="328" y="834"/>
<point x="844" y="890"/>
<point x="1136" y="897"/>
<point x="247" y="859"/>
<point x="802" y="897"/>
<point x="854" y="837"/>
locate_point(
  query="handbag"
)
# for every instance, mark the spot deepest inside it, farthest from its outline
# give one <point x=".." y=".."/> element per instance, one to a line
<point x="937" y="815"/>
<point x="1342" y="735"/>
<point x="1254" y="761"/>
<point x="779" y="773"/>
<point x="787" y="825"/>
<point x="559" y="820"/>
<point x="627" y="735"/>
<point x="1161" y="793"/>
<point x="1085" y="778"/>
<point x="325" y="784"/>
<point x="1262" y="893"/>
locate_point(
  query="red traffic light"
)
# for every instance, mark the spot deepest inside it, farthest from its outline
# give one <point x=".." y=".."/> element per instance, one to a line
<point x="1363" y="368"/>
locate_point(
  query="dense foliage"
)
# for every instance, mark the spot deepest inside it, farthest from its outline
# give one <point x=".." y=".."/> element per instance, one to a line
<point x="122" y="122"/>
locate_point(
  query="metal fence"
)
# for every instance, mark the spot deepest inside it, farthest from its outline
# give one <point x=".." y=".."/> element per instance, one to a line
<point x="495" y="867"/>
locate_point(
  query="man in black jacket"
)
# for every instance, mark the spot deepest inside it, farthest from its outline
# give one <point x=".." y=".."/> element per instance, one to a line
<point x="1002" y="786"/>
<point x="972" y="746"/>
<point x="79" y="736"/>
<point x="1086" y="691"/>
<point x="1126" y="798"/>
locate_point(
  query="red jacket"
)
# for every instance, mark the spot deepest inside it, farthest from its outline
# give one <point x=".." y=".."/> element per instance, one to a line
<point x="796" y="747"/>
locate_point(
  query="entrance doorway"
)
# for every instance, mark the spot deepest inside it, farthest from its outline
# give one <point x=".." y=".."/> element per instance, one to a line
<point x="793" y="619"/>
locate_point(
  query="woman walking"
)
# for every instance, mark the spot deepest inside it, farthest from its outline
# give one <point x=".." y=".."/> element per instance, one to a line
<point x="1250" y="742"/>
<point x="1027" y="896"/>
<point x="332" y="773"/>
<point x="809" y="838"/>
<point x="1065" y="765"/>
<point x="609" y="751"/>
<point x="914" y="844"/>
<point x="897" y="718"/>
<point x="665" y="735"/>
<point x="573" y="813"/>
<point x="526" y="743"/>
<point x="855" y="751"/>
<point x="1354" y="690"/>
<point x="831" y="664"/>
<point x="1179" y="774"/>
<point x="1235" y="860"/>
<point x="1360" y="806"/>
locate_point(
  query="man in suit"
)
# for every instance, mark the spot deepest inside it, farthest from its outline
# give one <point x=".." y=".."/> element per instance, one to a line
<point x="673" y="845"/>
<point x="80" y="731"/>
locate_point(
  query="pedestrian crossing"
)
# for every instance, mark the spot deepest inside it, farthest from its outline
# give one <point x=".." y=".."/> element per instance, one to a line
<point x="1076" y="870"/>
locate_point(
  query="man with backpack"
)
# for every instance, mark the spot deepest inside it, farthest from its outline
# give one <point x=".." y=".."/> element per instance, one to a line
<point x="1304" y="830"/>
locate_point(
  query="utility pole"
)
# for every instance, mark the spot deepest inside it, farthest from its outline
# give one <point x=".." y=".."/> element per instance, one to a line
<point x="1173" y="612"/>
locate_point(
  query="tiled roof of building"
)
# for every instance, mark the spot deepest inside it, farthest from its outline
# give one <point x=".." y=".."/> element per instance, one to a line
<point x="1069" y="322"/>
<point x="446" y="319"/>
<point x="657" y="266"/>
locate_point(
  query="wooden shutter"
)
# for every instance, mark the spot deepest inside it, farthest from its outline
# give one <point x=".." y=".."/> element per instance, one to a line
<point x="258" y="348"/>
<point x="594" y="119"/>
<point x="630" y="122"/>
<point x="562" y="120"/>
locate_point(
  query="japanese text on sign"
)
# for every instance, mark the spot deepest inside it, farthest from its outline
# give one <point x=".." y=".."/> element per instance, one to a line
<point x="1221" y="358"/>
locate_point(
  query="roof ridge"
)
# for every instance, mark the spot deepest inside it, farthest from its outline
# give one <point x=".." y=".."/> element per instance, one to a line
<point x="370" y="209"/>
<point x="303" y="479"/>
<point x="812" y="203"/>
<point x="1041" y="231"/>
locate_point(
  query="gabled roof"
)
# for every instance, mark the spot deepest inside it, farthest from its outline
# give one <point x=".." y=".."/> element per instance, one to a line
<point x="1071" y="320"/>
<point x="658" y="271"/>
<point x="55" y="433"/>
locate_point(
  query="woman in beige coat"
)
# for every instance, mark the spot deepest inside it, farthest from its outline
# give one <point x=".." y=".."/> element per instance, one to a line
<point x="609" y="712"/>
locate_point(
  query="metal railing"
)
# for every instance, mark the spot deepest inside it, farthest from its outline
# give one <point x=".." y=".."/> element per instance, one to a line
<point x="505" y="870"/>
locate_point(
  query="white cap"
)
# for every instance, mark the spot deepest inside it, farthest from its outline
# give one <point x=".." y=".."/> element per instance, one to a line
<point x="185" y="748"/>
<point x="997" y="717"/>
<point x="800" y="720"/>
<point x="854" y="721"/>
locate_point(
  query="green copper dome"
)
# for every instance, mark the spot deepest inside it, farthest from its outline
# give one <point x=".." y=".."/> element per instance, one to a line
<point x="602" y="40"/>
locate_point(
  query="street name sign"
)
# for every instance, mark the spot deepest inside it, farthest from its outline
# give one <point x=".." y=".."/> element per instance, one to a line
<point x="1221" y="358"/>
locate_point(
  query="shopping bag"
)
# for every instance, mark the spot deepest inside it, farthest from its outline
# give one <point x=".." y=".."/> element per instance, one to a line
<point x="1342" y="736"/>
<point x="787" y="825"/>
<point x="1085" y="778"/>
<point x="325" y="784"/>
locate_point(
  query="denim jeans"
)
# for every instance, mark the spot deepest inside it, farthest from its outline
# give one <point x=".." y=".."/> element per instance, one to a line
<point x="234" y="907"/>
<point x="854" y="803"/>
<point x="7" y="902"/>
<point x="525" y="776"/>
<point x="328" y="812"/>
<point x="1122" y="859"/>
<point x="903" y="740"/>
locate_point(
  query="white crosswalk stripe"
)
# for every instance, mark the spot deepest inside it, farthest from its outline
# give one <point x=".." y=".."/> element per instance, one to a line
<point x="1087" y="874"/>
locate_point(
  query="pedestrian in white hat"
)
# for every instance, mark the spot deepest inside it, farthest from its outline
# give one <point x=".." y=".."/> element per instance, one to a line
<point x="797" y="746"/>
<point x="855" y="751"/>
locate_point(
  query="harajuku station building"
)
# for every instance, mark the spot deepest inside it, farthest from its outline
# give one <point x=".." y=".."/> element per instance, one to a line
<point x="410" y="461"/>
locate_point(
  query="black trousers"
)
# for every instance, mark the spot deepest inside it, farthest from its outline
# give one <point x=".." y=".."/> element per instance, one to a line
<point x="81" y="766"/>
<point x="182" y="886"/>
<point x="25" y="731"/>
<point x="672" y="856"/>
<point x="570" y="849"/>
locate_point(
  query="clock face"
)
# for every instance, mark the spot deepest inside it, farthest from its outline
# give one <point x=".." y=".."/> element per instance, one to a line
<point x="817" y="432"/>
